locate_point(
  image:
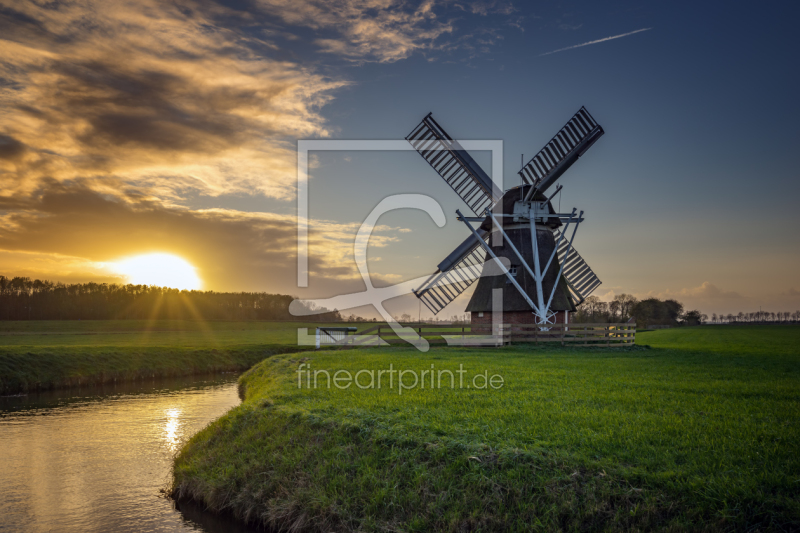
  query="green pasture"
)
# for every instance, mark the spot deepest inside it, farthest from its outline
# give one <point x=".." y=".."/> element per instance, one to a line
<point x="38" y="355"/>
<point x="142" y="333"/>
<point x="700" y="430"/>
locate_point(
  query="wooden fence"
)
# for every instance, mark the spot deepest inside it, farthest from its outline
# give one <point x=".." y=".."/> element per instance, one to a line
<point x="574" y="334"/>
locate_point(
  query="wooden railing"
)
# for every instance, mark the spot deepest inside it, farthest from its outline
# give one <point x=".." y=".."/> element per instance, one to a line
<point x="574" y="334"/>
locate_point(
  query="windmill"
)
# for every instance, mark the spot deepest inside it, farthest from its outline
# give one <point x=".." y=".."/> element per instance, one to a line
<point x="545" y="278"/>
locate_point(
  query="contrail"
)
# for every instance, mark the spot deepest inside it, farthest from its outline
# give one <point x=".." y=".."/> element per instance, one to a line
<point x="594" y="42"/>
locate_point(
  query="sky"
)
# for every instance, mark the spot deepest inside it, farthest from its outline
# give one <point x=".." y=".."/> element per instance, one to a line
<point x="146" y="127"/>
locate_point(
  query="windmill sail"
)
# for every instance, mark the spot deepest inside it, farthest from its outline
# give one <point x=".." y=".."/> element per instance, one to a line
<point x="571" y="142"/>
<point x="456" y="273"/>
<point x="581" y="280"/>
<point x="454" y="165"/>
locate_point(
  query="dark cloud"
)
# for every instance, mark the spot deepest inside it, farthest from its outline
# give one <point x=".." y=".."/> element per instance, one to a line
<point x="152" y="94"/>
<point x="14" y="23"/>
<point x="150" y="109"/>
<point x="117" y="114"/>
<point x="10" y="148"/>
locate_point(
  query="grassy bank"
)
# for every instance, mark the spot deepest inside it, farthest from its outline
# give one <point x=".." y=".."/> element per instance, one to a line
<point x="37" y="355"/>
<point x="57" y="367"/>
<point x="698" y="432"/>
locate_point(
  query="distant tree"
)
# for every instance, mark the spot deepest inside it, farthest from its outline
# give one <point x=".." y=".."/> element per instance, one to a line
<point x="592" y="304"/>
<point x="626" y="303"/>
<point x="614" y="310"/>
<point x="714" y="317"/>
<point x="588" y="310"/>
<point x="645" y="312"/>
<point x="674" y="309"/>
<point x="602" y="312"/>
<point x="653" y="311"/>
<point x="692" y="318"/>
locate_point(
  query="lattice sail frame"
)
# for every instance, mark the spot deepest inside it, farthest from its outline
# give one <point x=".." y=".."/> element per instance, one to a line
<point x="445" y="286"/>
<point x="571" y="142"/>
<point x="454" y="164"/>
<point x="580" y="278"/>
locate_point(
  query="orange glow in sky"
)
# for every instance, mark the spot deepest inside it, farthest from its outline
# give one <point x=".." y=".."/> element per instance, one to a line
<point x="164" y="270"/>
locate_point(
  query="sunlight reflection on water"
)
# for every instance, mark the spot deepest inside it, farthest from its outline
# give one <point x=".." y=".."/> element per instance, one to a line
<point x="171" y="429"/>
<point x="95" y="459"/>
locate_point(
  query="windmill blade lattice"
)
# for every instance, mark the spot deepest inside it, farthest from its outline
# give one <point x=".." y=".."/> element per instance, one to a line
<point x="454" y="165"/>
<point x="562" y="151"/>
<point x="580" y="278"/>
<point x="445" y="286"/>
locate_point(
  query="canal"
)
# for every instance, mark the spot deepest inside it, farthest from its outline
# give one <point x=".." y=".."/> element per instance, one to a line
<point x="97" y="459"/>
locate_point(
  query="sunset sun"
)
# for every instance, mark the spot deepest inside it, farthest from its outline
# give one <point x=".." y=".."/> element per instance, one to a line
<point x="164" y="270"/>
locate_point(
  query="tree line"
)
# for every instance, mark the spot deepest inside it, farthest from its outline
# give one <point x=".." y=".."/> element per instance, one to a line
<point x="23" y="299"/>
<point x="593" y="309"/>
<point x="761" y="317"/>
<point x="647" y="312"/>
<point x="655" y="312"/>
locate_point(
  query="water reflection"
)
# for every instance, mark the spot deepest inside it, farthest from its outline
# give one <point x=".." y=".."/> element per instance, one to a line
<point x="171" y="427"/>
<point x="94" y="459"/>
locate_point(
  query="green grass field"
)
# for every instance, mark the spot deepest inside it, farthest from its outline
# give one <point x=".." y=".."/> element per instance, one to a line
<point x="91" y="334"/>
<point x="699" y="431"/>
<point x="50" y="354"/>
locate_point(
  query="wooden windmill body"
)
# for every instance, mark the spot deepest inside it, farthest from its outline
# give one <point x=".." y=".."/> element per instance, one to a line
<point x="516" y="309"/>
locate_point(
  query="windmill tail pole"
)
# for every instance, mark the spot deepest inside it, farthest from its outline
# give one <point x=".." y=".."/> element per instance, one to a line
<point x="558" y="189"/>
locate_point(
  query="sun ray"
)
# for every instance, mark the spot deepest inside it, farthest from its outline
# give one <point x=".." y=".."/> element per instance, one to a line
<point x="207" y="332"/>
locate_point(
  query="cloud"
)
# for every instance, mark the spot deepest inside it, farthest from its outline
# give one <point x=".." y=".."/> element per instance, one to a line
<point x="386" y="31"/>
<point x="120" y="119"/>
<point x="710" y="291"/>
<point x="152" y="95"/>
<point x="710" y="298"/>
<point x="594" y="42"/>
<point x="606" y="296"/>
<point x="705" y="296"/>
<point x="42" y="265"/>
<point x="365" y="30"/>
<point x="489" y="7"/>
<point x="173" y="98"/>
<point x="68" y="232"/>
